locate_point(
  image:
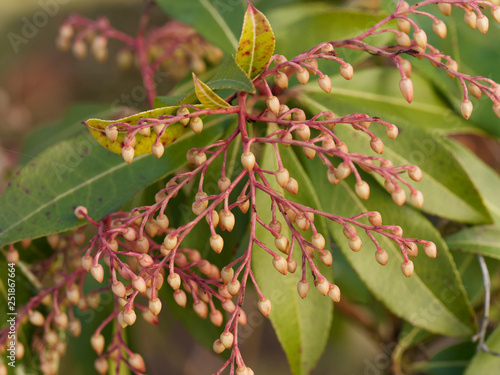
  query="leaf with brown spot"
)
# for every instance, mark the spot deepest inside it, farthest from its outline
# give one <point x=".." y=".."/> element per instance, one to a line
<point x="256" y="43"/>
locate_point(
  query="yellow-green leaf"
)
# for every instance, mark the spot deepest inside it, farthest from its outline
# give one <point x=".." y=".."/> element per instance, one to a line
<point x="256" y="43"/>
<point x="207" y="96"/>
<point x="143" y="143"/>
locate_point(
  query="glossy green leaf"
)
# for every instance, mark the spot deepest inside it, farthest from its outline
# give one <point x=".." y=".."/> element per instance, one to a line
<point x="143" y="143"/>
<point x="484" y="178"/>
<point x="69" y="126"/>
<point x="207" y="96"/>
<point x="451" y="360"/>
<point x="218" y="21"/>
<point x="472" y="276"/>
<point x="256" y="44"/>
<point x="484" y="363"/>
<point x="375" y="91"/>
<point x="434" y="297"/>
<point x="302" y="326"/>
<point x="483" y="240"/>
<point x="43" y="195"/>
<point x="447" y="188"/>
<point x="300" y="27"/>
<point x="228" y="76"/>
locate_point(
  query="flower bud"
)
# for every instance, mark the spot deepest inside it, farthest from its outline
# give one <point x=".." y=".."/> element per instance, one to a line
<point x="282" y="244"/>
<point x="111" y="133"/>
<point x="216" y="243"/>
<point x="292" y="186"/>
<point x="323" y="286"/>
<point x="343" y="170"/>
<point x="157" y="149"/>
<point x="415" y="173"/>
<point x="273" y="104"/>
<point x="430" y="249"/>
<point x="216" y="318"/>
<point x="183" y="111"/>
<point x="326" y="258"/>
<point x="281" y="80"/>
<point x="412" y="249"/>
<point x="97" y="343"/>
<point x="291" y="265"/>
<point x="466" y="108"/>
<point x="332" y="178"/>
<point x="375" y="219"/>
<point x="201" y="309"/>
<point x="139" y="284"/>
<point x="155" y="306"/>
<point x="403" y="40"/>
<point x="445" y="8"/>
<point x="228" y="306"/>
<point x="137" y="362"/>
<point x="417" y="198"/>
<point x="245" y="205"/>
<point x="302" y="222"/>
<point x="377" y="145"/>
<point x="404" y="25"/>
<point x="174" y="280"/>
<point x="233" y="287"/>
<point x="452" y="65"/>
<point x="282" y="177"/>
<point x="355" y="244"/>
<point x="346" y="71"/>
<point x="128" y="154"/>
<point x="318" y="241"/>
<point x="199" y="158"/>
<point x="406" y="87"/>
<point x="325" y="83"/>
<point x="79" y="49"/>
<point x="420" y="38"/>
<point x="496" y="108"/>
<point x="281" y="265"/>
<point x="303" y="288"/>
<point x="170" y="242"/>
<point x="334" y="293"/>
<point x="101" y="365"/>
<point x="248" y="160"/>
<point x="36" y="318"/>
<point x="97" y="272"/>
<point x="495" y="13"/>
<point x="264" y="306"/>
<point x="439" y="28"/>
<point x="407" y="268"/>
<point x="223" y="183"/>
<point x="350" y="231"/>
<point x="406" y="66"/>
<point x="180" y="297"/>
<point x="100" y="48"/>
<point x="470" y="19"/>
<point x="196" y="125"/>
<point x="399" y="196"/>
<point x="381" y="257"/>
<point x="362" y="189"/>
<point x="302" y="75"/>
<point x="218" y="347"/>
<point x="119" y="289"/>
<point x="474" y="90"/>
<point x="303" y="132"/>
<point x="227" y="339"/>
<point x="227" y="220"/>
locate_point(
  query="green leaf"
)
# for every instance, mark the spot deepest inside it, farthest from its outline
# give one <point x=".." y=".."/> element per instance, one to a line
<point x="483" y="240"/>
<point x="218" y="21"/>
<point x="434" y="297"/>
<point x="206" y="96"/>
<point x="256" y="45"/>
<point x="143" y="143"/>
<point x="299" y="27"/>
<point x="43" y="195"/>
<point x="302" y="326"/>
<point x="451" y="360"/>
<point x="69" y="126"/>
<point x="375" y="91"/>
<point x="472" y="276"/>
<point x="447" y="188"/>
<point x="228" y="76"/>
<point x="485" y="179"/>
<point x="484" y="363"/>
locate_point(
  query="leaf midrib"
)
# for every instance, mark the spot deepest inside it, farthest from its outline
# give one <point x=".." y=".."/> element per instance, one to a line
<point x="220" y="21"/>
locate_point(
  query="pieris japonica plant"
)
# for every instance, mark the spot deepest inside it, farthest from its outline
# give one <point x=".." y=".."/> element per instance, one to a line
<point x="258" y="177"/>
